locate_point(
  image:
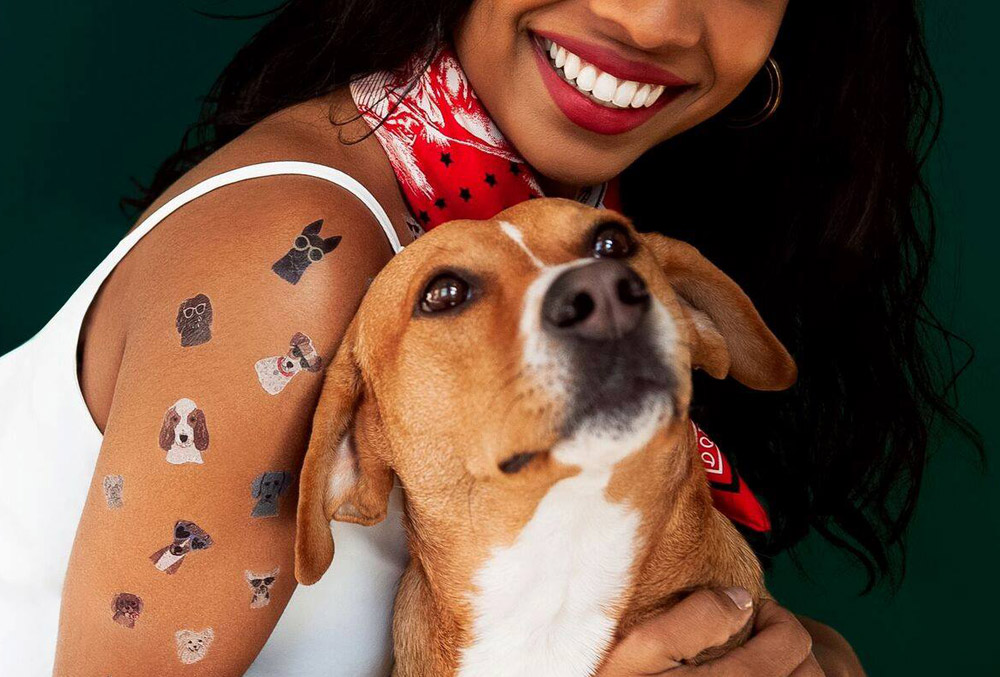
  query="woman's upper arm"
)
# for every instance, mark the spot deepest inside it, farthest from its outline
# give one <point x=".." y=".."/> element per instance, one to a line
<point x="184" y="552"/>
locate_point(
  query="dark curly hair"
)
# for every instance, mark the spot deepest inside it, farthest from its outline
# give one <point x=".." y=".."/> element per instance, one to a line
<point x="821" y="214"/>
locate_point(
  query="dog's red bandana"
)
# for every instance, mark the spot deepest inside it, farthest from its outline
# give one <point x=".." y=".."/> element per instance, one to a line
<point x="452" y="162"/>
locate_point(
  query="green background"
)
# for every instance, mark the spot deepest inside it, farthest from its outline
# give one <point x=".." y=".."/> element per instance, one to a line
<point x="96" y="91"/>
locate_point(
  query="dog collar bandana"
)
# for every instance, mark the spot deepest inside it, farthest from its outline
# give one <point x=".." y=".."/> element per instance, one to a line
<point x="452" y="162"/>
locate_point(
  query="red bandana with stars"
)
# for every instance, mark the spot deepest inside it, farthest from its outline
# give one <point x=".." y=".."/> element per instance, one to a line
<point x="452" y="162"/>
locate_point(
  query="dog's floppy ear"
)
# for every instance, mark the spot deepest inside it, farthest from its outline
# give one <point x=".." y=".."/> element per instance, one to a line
<point x="255" y="486"/>
<point x="167" y="429"/>
<point x="200" y="430"/>
<point x="731" y="339"/>
<point x="345" y="475"/>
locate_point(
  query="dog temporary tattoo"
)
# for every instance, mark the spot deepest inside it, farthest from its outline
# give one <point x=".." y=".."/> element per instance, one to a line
<point x="188" y="537"/>
<point x="192" y="646"/>
<point x="113" y="485"/>
<point x="184" y="433"/>
<point x="307" y="248"/>
<point x="194" y="321"/>
<point x="267" y="487"/>
<point x="126" y="608"/>
<point x="275" y="372"/>
<point x="261" y="584"/>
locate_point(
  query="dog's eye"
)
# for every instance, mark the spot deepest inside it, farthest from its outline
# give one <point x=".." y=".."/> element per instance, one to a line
<point x="444" y="292"/>
<point x="611" y="241"/>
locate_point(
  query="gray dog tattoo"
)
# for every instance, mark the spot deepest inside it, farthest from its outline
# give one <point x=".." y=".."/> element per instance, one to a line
<point x="126" y="608"/>
<point x="113" y="485"/>
<point x="194" y="321"/>
<point x="267" y="487"/>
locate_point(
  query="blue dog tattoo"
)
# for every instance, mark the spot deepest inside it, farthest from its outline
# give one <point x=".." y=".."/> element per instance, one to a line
<point x="267" y="487"/>
<point x="307" y="248"/>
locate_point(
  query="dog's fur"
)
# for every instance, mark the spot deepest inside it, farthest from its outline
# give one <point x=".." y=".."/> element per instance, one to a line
<point x="555" y="496"/>
<point x="184" y="432"/>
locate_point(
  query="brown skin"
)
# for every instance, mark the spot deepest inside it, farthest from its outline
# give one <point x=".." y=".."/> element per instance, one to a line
<point x="128" y="369"/>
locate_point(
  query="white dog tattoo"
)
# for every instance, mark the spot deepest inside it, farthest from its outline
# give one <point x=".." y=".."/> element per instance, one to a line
<point x="113" y="485"/>
<point x="274" y="373"/>
<point x="184" y="433"/>
<point x="192" y="646"/>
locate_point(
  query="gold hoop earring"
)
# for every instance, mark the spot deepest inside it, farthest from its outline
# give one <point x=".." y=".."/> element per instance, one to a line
<point x="777" y="86"/>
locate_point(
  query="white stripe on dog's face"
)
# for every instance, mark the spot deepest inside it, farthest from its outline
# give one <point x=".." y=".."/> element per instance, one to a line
<point x="515" y="234"/>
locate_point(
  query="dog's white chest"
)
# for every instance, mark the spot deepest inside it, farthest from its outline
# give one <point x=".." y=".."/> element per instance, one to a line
<point x="548" y="604"/>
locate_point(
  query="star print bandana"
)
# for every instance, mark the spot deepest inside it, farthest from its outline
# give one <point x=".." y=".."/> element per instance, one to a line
<point x="452" y="162"/>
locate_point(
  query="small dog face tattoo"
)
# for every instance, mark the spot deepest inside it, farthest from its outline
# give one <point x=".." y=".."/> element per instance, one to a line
<point x="261" y="584"/>
<point x="184" y="433"/>
<point x="275" y="372"/>
<point x="125" y="608"/>
<point x="192" y="646"/>
<point x="194" y="321"/>
<point x="113" y="485"/>
<point x="267" y="487"/>
<point x="188" y="537"/>
<point x="307" y="248"/>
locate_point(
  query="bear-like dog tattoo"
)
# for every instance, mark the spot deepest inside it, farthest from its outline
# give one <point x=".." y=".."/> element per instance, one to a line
<point x="192" y="646"/>
<point x="194" y="321"/>
<point x="126" y="608"/>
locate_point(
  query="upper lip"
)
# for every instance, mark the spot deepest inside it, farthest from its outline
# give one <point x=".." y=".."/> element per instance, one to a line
<point x="610" y="61"/>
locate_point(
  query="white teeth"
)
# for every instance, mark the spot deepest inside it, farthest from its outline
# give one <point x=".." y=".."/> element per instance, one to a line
<point x="602" y="86"/>
<point x="560" y="57"/>
<point x="640" y="96"/>
<point x="624" y="93"/>
<point x="572" y="66"/>
<point x="587" y="77"/>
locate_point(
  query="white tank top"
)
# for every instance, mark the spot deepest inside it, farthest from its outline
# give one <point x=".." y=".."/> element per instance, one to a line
<point x="49" y="446"/>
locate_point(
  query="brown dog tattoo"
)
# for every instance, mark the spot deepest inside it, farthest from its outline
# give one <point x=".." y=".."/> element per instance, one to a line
<point x="192" y="646"/>
<point x="274" y="373"/>
<point x="113" y="485"/>
<point x="126" y="608"/>
<point x="188" y="537"/>
<point x="194" y="321"/>
<point x="184" y="433"/>
<point x="261" y="584"/>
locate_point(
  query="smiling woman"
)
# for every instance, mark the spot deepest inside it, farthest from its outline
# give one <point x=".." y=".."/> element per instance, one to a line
<point x="343" y="128"/>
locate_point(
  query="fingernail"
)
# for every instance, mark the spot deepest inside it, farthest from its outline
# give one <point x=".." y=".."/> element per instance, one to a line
<point x="741" y="598"/>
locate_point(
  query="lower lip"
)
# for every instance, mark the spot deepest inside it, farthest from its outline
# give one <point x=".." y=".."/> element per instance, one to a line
<point x="584" y="112"/>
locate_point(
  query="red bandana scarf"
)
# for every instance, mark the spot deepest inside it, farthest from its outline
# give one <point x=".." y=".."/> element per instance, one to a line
<point x="452" y="162"/>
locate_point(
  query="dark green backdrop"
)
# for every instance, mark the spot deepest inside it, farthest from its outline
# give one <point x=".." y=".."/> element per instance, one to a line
<point x="94" y="91"/>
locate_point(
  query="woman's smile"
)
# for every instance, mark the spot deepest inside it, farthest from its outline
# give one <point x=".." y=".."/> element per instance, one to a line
<point x="631" y="91"/>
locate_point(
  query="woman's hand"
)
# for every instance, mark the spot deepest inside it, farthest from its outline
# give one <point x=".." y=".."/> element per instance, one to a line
<point x="780" y="646"/>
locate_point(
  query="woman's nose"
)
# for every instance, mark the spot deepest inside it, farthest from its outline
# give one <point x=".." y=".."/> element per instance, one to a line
<point x="651" y="24"/>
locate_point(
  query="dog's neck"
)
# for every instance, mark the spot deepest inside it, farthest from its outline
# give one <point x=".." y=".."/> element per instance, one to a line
<point x="596" y="556"/>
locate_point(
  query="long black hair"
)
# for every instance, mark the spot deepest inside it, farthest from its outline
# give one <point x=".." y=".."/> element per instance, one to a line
<point x="821" y="214"/>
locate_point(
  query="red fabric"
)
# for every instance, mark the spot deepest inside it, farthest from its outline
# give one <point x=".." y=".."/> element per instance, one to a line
<point x="452" y="162"/>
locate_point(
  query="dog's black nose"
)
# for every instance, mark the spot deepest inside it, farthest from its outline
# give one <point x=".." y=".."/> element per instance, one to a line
<point x="598" y="301"/>
<point x="184" y="438"/>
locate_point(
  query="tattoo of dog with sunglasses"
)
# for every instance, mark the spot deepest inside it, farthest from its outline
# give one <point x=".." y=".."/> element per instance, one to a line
<point x="194" y="321"/>
<point x="188" y="537"/>
<point x="261" y="584"/>
<point x="307" y="248"/>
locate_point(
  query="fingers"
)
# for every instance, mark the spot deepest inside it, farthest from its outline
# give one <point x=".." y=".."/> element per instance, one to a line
<point x="779" y="647"/>
<point x="702" y="620"/>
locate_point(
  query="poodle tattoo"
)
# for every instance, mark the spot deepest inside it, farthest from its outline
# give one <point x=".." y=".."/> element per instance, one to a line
<point x="194" y="321"/>
<point x="261" y="584"/>
<point x="307" y="248"/>
<point x="192" y="646"/>
<point x="267" y="487"/>
<point x="184" y="433"/>
<point x="275" y="372"/>
<point x="188" y="537"/>
<point x="113" y="485"/>
<point x="126" y="608"/>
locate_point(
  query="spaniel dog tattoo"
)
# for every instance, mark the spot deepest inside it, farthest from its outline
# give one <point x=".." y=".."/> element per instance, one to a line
<point x="261" y="584"/>
<point x="307" y="248"/>
<point x="275" y="372"/>
<point x="267" y="487"/>
<point x="184" y="433"/>
<point x="188" y="537"/>
<point x="126" y="608"/>
<point x="194" y="321"/>
<point x="113" y="485"/>
<point x="192" y="646"/>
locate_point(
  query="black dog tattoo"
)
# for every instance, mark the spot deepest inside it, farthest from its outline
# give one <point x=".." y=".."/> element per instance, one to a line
<point x="267" y="487"/>
<point x="194" y="321"/>
<point x="308" y="248"/>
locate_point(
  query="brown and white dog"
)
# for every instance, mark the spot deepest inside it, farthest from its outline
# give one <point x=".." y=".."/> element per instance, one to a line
<point x="527" y="378"/>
